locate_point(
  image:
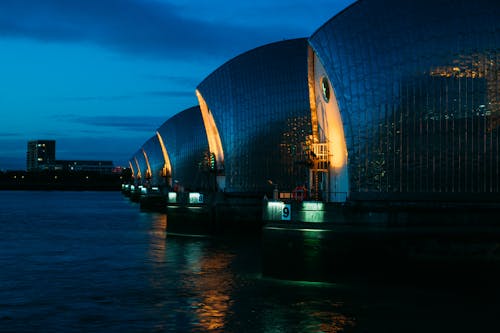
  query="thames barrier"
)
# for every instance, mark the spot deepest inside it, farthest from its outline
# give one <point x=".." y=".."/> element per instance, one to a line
<point x="372" y="144"/>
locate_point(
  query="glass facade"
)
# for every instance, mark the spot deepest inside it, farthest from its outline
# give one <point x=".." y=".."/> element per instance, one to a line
<point x="259" y="104"/>
<point x="418" y="88"/>
<point x="139" y="164"/>
<point x="152" y="149"/>
<point x="187" y="147"/>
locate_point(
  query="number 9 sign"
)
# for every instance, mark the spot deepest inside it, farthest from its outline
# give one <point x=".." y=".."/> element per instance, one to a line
<point x="286" y="212"/>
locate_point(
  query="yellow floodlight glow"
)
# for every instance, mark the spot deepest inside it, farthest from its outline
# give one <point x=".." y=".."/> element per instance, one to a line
<point x="328" y="118"/>
<point x="328" y="128"/>
<point x="312" y="95"/>
<point x="132" y="169"/>
<point x="148" y="170"/>
<point x="138" y="168"/>
<point x="167" y="167"/>
<point x="213" y="137"/>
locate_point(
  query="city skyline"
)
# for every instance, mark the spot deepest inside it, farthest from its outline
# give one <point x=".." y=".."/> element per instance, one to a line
<point x="99" y="77"/>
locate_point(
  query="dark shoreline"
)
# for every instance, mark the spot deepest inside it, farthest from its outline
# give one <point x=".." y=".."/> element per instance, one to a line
<point x="59" y="188"/>
<point x="59" y="181"/>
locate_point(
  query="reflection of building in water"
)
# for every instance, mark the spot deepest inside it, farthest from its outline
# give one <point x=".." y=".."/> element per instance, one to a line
<point x="212" y="282"/>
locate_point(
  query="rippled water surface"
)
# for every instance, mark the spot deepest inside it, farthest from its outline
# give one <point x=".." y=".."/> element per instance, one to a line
<point x="92" y="262"/>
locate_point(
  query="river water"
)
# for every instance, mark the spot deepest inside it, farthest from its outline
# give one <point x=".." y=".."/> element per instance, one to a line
<point x="92" y="262"/>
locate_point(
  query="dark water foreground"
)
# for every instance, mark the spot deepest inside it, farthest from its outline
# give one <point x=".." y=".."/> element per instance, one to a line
<point x="92" y="262"/>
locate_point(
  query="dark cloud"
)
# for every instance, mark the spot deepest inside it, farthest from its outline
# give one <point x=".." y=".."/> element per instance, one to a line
<point x="116" y="147"/>
<point x="180" y="80"/>
<point x="97" y="98"/>
<point x="170" y="93"/>
<point x="9" y="134"/>
<point x="128" y="123"/>
<point x="136" y="26"/>
<point x="159" y="93"/>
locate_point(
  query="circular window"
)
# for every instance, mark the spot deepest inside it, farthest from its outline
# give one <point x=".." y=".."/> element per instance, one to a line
<point x="325" y="87"/>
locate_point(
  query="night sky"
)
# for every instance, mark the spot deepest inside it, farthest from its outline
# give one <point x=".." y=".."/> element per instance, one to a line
<point x="99" y="76"/>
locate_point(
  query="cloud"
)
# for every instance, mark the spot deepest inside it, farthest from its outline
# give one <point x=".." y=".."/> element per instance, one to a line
<point x="180" y="80"/>
<point x="146" y="27"/>
<point x="287" y="18"/>
<point x="97" y="98"/>
<point x="127" y="123"/>
<point x="158" y="93"/>
<point x="10" y="134"/>
<point x="171" y="93"/>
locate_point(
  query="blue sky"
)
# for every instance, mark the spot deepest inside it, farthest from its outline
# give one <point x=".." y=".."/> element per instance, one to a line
<point x="99" y="76"/>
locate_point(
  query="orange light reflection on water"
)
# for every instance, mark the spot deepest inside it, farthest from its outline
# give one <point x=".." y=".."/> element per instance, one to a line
<point x="214" y="283"/>
<point x="158" y="233"/>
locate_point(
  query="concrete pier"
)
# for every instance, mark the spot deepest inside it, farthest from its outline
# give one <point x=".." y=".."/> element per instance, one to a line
<point x="390" y="242"/>
<point x="317" y="241"/>
<point x="213" y="213"/>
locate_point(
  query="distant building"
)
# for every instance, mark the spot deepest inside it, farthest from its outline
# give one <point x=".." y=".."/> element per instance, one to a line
<point x="41" y="155"/>
<point x="104" y="167"/>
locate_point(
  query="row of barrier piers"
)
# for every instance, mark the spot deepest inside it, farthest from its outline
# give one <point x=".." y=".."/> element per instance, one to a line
<point x="318" y="241"/>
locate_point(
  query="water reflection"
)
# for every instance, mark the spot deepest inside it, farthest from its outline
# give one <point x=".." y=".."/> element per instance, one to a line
<point x="212" y="282"/>
<point x="329" y="322"/>
<point x="205" y="278"/>
<point x="96" y="264"/>
<point x="158" y="233"/>
<point x="209" y="294"/>
<point x="307" y="315"/>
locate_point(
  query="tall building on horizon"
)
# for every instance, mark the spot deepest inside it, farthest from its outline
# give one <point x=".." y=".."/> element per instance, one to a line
<point x="41" y="154"/>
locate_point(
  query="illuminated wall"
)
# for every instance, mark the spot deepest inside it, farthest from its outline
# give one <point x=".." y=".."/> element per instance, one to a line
<point x="152" y="149"/>
<point x="132" y="168"/>
<point x="328" y="128"/>
<point x="166" y="168"/>
<point x="139" y="164"/>
<point x="186" y="144"/>
<point x="258" y="103"/>
<point x="417" y="84"/>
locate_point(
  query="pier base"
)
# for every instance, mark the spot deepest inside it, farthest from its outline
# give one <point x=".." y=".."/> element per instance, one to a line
<point x="398" y="242"/>
<point x="219" y="213"/>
